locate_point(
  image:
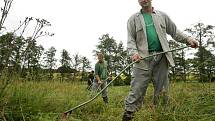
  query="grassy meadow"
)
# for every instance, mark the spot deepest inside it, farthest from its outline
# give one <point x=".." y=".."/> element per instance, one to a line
<point x="46" y="101"/>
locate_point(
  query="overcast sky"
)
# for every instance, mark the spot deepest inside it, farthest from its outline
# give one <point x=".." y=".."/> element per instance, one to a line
<point x="78" y="24"/>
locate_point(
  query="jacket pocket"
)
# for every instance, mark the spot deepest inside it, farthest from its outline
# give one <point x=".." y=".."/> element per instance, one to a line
<point x="139" y="34"/>
<point x="139" y="28"/>
<point x="163" y="27"/>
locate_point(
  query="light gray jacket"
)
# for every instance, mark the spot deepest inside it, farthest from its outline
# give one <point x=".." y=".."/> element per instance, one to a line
<point x="137" y="38"/>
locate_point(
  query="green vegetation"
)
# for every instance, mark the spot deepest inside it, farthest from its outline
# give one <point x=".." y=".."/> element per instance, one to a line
<point x="46" y="101"/>
<point x="43" y="90"/>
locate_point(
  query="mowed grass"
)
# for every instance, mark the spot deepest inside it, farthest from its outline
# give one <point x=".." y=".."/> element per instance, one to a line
<point x="46" y="101"/>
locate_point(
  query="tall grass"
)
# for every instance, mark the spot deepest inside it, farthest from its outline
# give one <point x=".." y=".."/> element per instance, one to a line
<point x="46" y="101"/>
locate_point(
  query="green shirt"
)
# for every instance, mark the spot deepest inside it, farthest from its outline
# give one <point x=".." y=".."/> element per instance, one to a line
<point x="101" y="70"/>
<point x="152" y="37"/>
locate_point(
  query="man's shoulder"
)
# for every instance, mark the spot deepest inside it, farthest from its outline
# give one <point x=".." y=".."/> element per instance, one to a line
<point x="105" y="62"/>
<point x="97" y="64"/>
<point x="134" y="15"/>
<point x="160" y="12"/>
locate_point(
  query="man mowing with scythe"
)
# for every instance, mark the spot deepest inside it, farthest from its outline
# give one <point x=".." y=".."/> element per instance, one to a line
<point x="101" y="75"/>
<point x="147" y="35"/>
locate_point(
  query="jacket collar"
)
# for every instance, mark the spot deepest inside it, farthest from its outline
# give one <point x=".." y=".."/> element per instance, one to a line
<point x="153" y="11"/>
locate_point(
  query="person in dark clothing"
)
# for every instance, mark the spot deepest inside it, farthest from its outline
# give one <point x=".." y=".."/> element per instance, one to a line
<point x="90" y="80"/>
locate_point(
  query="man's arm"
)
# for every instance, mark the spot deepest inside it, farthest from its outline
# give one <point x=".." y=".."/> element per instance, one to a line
<point x="177" y="35"/>
<point x="131" y="37"/>
<point x="131" y="42"/>
<point x="98" y="79"/>
<point x="97" y="74"/>
<point x="172" y="30"/>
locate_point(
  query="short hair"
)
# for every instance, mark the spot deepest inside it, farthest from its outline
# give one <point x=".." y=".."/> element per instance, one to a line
<point x="100" y="54"/>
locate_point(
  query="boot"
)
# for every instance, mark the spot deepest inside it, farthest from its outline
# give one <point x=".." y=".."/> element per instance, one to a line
<point x="127" y="116"/>
<point x="105" y="99"/>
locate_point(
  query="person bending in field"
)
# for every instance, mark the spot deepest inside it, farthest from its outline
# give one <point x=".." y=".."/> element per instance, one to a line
<point x="90" y="80"/>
